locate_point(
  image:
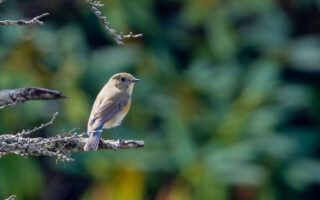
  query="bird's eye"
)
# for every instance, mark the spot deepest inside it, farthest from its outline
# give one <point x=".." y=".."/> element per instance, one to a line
<point x="123" y="79"/>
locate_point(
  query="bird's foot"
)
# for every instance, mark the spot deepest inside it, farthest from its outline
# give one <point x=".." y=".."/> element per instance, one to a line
<point x="121" y="141"/>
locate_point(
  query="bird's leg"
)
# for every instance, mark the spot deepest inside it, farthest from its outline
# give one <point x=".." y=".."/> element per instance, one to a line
<point x="119" y="138"/>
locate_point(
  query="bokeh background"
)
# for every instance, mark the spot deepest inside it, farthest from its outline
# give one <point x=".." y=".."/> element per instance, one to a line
<point x="228" y="105"/>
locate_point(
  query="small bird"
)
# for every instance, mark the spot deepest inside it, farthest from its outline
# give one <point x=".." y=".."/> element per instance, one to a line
<point x="110" y="107"/>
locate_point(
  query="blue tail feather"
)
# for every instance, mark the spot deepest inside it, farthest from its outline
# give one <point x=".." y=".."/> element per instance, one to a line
<point x="93" y="141"/>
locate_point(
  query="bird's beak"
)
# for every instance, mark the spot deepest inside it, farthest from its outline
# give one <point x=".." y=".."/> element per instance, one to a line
<point x="135" y="80"/>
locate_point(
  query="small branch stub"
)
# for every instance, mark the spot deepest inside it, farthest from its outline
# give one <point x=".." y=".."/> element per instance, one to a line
<point x="34" y="21"/>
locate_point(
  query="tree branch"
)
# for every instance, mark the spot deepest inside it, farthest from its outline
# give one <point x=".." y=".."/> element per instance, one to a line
<point x="14" y="96"/>
<point x="60" y="146"/>
<point x="34" y="21"/>
<point x="117" y="37"/>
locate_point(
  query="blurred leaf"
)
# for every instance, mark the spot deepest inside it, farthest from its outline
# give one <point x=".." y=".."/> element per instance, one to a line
<point x="302" y="173"/>
<point x="304" y="54"/>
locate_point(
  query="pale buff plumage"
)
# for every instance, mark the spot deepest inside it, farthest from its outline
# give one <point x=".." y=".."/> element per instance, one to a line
<point x="110" y="107"/>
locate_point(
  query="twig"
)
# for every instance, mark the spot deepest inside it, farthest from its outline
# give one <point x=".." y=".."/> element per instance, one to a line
<point x="117" y="37"/>
<point x="28" y="132"/>
<point x="34" y="21"/>
<point x="2" y="107"/>
<point x="14" y="96"/>
<point x="12" y="197"/>
<point x="2" y="154"/>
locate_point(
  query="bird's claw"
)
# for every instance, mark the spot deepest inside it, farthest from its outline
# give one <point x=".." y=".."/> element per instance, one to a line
<point x="121" y="141"/>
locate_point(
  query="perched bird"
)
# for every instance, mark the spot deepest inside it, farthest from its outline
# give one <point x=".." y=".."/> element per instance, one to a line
<point x="110" y="107"/>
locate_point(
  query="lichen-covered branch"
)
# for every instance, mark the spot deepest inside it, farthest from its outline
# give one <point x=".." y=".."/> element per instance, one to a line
<point x="117" y="37"/>
<point x="34" y="21"/>
<point x="60" y="146"/>
<point x="14" y="96"/>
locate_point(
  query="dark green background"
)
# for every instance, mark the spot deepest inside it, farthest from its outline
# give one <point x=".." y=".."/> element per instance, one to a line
<point x="228" y="105"/>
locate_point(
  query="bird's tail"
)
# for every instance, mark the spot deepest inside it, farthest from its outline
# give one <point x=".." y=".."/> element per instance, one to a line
<point x="93" y="141"/>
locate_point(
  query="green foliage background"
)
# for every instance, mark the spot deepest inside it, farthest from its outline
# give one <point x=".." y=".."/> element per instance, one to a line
<point x="228" y="105"/>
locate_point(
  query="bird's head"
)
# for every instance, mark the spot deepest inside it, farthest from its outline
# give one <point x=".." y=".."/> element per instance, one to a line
<point x="124" y="81"/>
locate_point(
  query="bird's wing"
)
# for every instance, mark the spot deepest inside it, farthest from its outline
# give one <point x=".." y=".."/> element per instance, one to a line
<point x="104" y="112"/>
